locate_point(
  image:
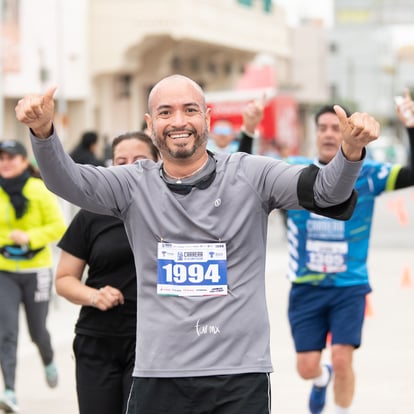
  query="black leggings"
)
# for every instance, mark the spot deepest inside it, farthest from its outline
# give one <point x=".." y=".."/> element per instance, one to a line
<point x="103" y="373"/>
<point x="33" y="291"/>
<point x="222" y="394"/>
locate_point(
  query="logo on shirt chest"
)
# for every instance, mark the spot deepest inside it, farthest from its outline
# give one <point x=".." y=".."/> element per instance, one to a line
<point x="206" y="329"/>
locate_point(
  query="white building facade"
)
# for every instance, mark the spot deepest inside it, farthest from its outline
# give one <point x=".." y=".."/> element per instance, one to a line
<point x="105" y="55"/>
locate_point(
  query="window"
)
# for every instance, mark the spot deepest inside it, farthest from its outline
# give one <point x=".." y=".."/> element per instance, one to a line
<point x="267" y="4"/>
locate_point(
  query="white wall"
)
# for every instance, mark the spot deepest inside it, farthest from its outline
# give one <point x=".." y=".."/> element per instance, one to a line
<point x="52" y="35"/>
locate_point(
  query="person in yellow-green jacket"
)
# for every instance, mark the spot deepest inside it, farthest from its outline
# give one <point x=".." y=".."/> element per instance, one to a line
<point x="30" y="219"/>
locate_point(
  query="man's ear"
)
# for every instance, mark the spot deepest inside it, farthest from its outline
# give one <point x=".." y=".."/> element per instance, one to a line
<point x="148" y="120"/>
<point x="208" y="118"/>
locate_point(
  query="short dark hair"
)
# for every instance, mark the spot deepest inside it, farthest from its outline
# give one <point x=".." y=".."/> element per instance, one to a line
<point x="88" y="139"/>
<point x="329" y="109"/>
<point x="140" y="136"/>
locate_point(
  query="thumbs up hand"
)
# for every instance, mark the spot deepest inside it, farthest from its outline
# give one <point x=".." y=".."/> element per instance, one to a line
<point x="405" y="109"/>
<point x="357" y="132"/>
<point x="253" y="114"/>
<point x="37" y="112"/>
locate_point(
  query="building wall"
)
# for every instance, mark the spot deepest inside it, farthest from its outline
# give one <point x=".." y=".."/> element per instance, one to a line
<point x="105" y="55"/>
<point x="208" y="40"/>
<point x="310" y="48"/>
<point x="365" y="67"/>
<point x="309" y="77"/>
<point x="224" y="23"/>
<point x="51" y="49"/>
<point x="87" y="47"/>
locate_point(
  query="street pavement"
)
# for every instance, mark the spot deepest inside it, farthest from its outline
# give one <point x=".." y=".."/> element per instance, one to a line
<point x="384" y="365"/>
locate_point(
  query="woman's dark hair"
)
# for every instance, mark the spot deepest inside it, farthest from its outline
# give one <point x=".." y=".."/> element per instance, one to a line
<point x="88" y="139"/>
<point x="140" y="136"/>
<point x="33" y="171"/>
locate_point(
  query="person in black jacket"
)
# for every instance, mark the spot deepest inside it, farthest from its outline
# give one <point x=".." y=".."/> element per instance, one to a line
<point x="104" y="345"/>
<point x="84" y="152"/>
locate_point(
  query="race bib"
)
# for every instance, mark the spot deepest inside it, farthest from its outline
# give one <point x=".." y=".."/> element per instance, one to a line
<point x="326" y="256"/>
<point x="192" y="269"/>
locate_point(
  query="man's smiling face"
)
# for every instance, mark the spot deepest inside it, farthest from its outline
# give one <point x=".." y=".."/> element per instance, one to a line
<point x="178" y="118"/>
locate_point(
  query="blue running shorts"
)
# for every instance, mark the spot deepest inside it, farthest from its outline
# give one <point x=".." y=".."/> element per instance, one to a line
<point x="315" y="311"/>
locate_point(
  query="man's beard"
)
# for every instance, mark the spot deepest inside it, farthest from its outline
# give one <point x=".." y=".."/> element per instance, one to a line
<point x="181" y="151"/>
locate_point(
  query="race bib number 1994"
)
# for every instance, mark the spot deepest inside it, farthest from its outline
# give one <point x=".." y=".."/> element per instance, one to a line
<point x="192" y="269"/>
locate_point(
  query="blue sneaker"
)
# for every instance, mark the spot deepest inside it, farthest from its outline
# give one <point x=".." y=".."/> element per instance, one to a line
<point x="51" y="375"/>
<point x="8" y="402"/>
<point x="318" y="395"/>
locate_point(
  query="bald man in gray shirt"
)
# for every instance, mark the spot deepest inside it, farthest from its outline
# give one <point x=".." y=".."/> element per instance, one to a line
<point x="197" y="224"/>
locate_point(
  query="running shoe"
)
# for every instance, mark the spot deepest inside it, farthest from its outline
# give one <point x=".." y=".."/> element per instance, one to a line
<point x="51" y="375"/>
<point x="318" y="395"/>
<point x="8" y="402"/>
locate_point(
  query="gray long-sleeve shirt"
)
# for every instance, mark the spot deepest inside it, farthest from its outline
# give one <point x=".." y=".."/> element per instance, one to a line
<point x="197" y="335"/>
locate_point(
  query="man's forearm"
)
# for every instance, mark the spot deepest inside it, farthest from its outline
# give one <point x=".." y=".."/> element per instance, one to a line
<point x="336" y="181"/>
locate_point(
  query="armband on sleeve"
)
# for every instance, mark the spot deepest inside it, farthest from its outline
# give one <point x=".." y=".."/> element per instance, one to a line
<point x="306" y="181"/>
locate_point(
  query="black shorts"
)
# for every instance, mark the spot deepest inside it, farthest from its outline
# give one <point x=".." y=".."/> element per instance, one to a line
<point x="221" y="394"/>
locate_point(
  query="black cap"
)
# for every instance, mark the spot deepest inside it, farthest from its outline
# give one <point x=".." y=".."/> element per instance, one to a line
<point x="13" y="147"/>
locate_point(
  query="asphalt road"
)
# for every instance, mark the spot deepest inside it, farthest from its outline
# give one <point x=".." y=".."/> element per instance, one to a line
<point x="384" y="365"/>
